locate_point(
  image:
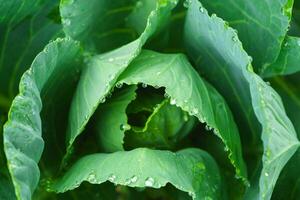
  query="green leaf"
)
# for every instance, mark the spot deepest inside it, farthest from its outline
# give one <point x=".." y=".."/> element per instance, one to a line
<point x="220" y="56"/>
<point x="261" y="25"/>
<point x="110" y="116"/>
<point x="13" y="12"/>
<point x="23" y="143"/>
<point x="166" y="126"/>
<point x="190" y="170"/>
<point x="21" y="42"/>
<point x="102" y="71"/>
<point x="287" y="186"/>
<point x="103" y="25"/>
<point x="189" y="92"/>
<point x="288" y="60"/>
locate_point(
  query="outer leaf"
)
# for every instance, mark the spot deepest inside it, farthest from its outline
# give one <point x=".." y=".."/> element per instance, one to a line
<point x="188" y="91"/>
<point x="13" y="12"/>
<point x="189" y="170"/>
<point x="261" y="25"/>
<point x="23" y="143"/>
<point x="21" y="42"/>
<point x="288" y="60"/>
<point x="288" y="184"/>
<point x="165" y="126"/>
<point x="103" y="25"/>
<point x="229" y="68"/>
<point x="100" y="75"/>
<point x="110" y="116"/>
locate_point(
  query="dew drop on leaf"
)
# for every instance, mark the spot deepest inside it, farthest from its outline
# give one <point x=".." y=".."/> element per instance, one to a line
<point x="187" y="3"/>
<point x="266" y="174"/>
<point x="173" y="101"/>
<point x="201" y="9"/>
<point x="134" y="179"/>
<point x="119" y="85"/>
<point x="125" y="127"/>
<point x="92" y="177"/>
<point x="144" y="85"/>
<point x="112" y="178"/>
<point x="149" y="182"/>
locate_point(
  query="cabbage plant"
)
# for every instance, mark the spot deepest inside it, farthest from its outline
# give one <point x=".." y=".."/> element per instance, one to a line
<point x="149" y="99"/>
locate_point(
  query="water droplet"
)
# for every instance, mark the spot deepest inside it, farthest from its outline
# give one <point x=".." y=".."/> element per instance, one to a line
<point x="92" y="177"/>
<point x="249" y="68"/>
<point x="111" y="76"/>
<point x="201" y="9"/>
<point x="119" y="85"/>
<point x="194" y="111"/>
<point x="66" y="22"/>
<point x="187" y="3"/>
<point x="111" y="59"/>
<point x="234" y="38"/>
<point x="112" y="178"/>
<point x="134" y="179"/>
<point x="102" y="100"/>
<point x="226" y="148"/>
<point x="149" y="182"/>
<point x="266" y="174"/>
<point x="207" y="127"/>
<point x="173" y="101"/>
<point x="250" y="59"/>
<point x="144" y="85"/>
<point x="166" y="95"/>
<point x="125" y="127"/>
<point x="192" y="194"/>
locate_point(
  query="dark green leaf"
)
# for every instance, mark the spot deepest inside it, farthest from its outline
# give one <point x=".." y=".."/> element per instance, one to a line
<point x="288" y="60"/>
<point x="219" y="55"/>
<point x="166" y="125"/>
<point x="110" y="119"/>
<point x="261" y="25"/>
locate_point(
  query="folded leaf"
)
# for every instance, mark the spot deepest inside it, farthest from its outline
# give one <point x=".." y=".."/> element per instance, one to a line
<point x="23" y="143"/>
<point x="102" y="71"/>
<point x="103" y="25"/>
<point x="110" y="119"/>
<point x="166" y="125"/>
<point x="288" y="60"/>
<point x="219" y="55"/>
<point x="190" y="170"/>
<point x="287" y="186"/>
<point x="261" y="25"/>
<point x="189" y="92"/>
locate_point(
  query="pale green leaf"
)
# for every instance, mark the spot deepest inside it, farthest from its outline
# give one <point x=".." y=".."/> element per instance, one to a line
<point x="190" y="170"/>
<point x="193" y="95"/>
<point x="23" y="143"/>
<point x="102" y="71"/>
